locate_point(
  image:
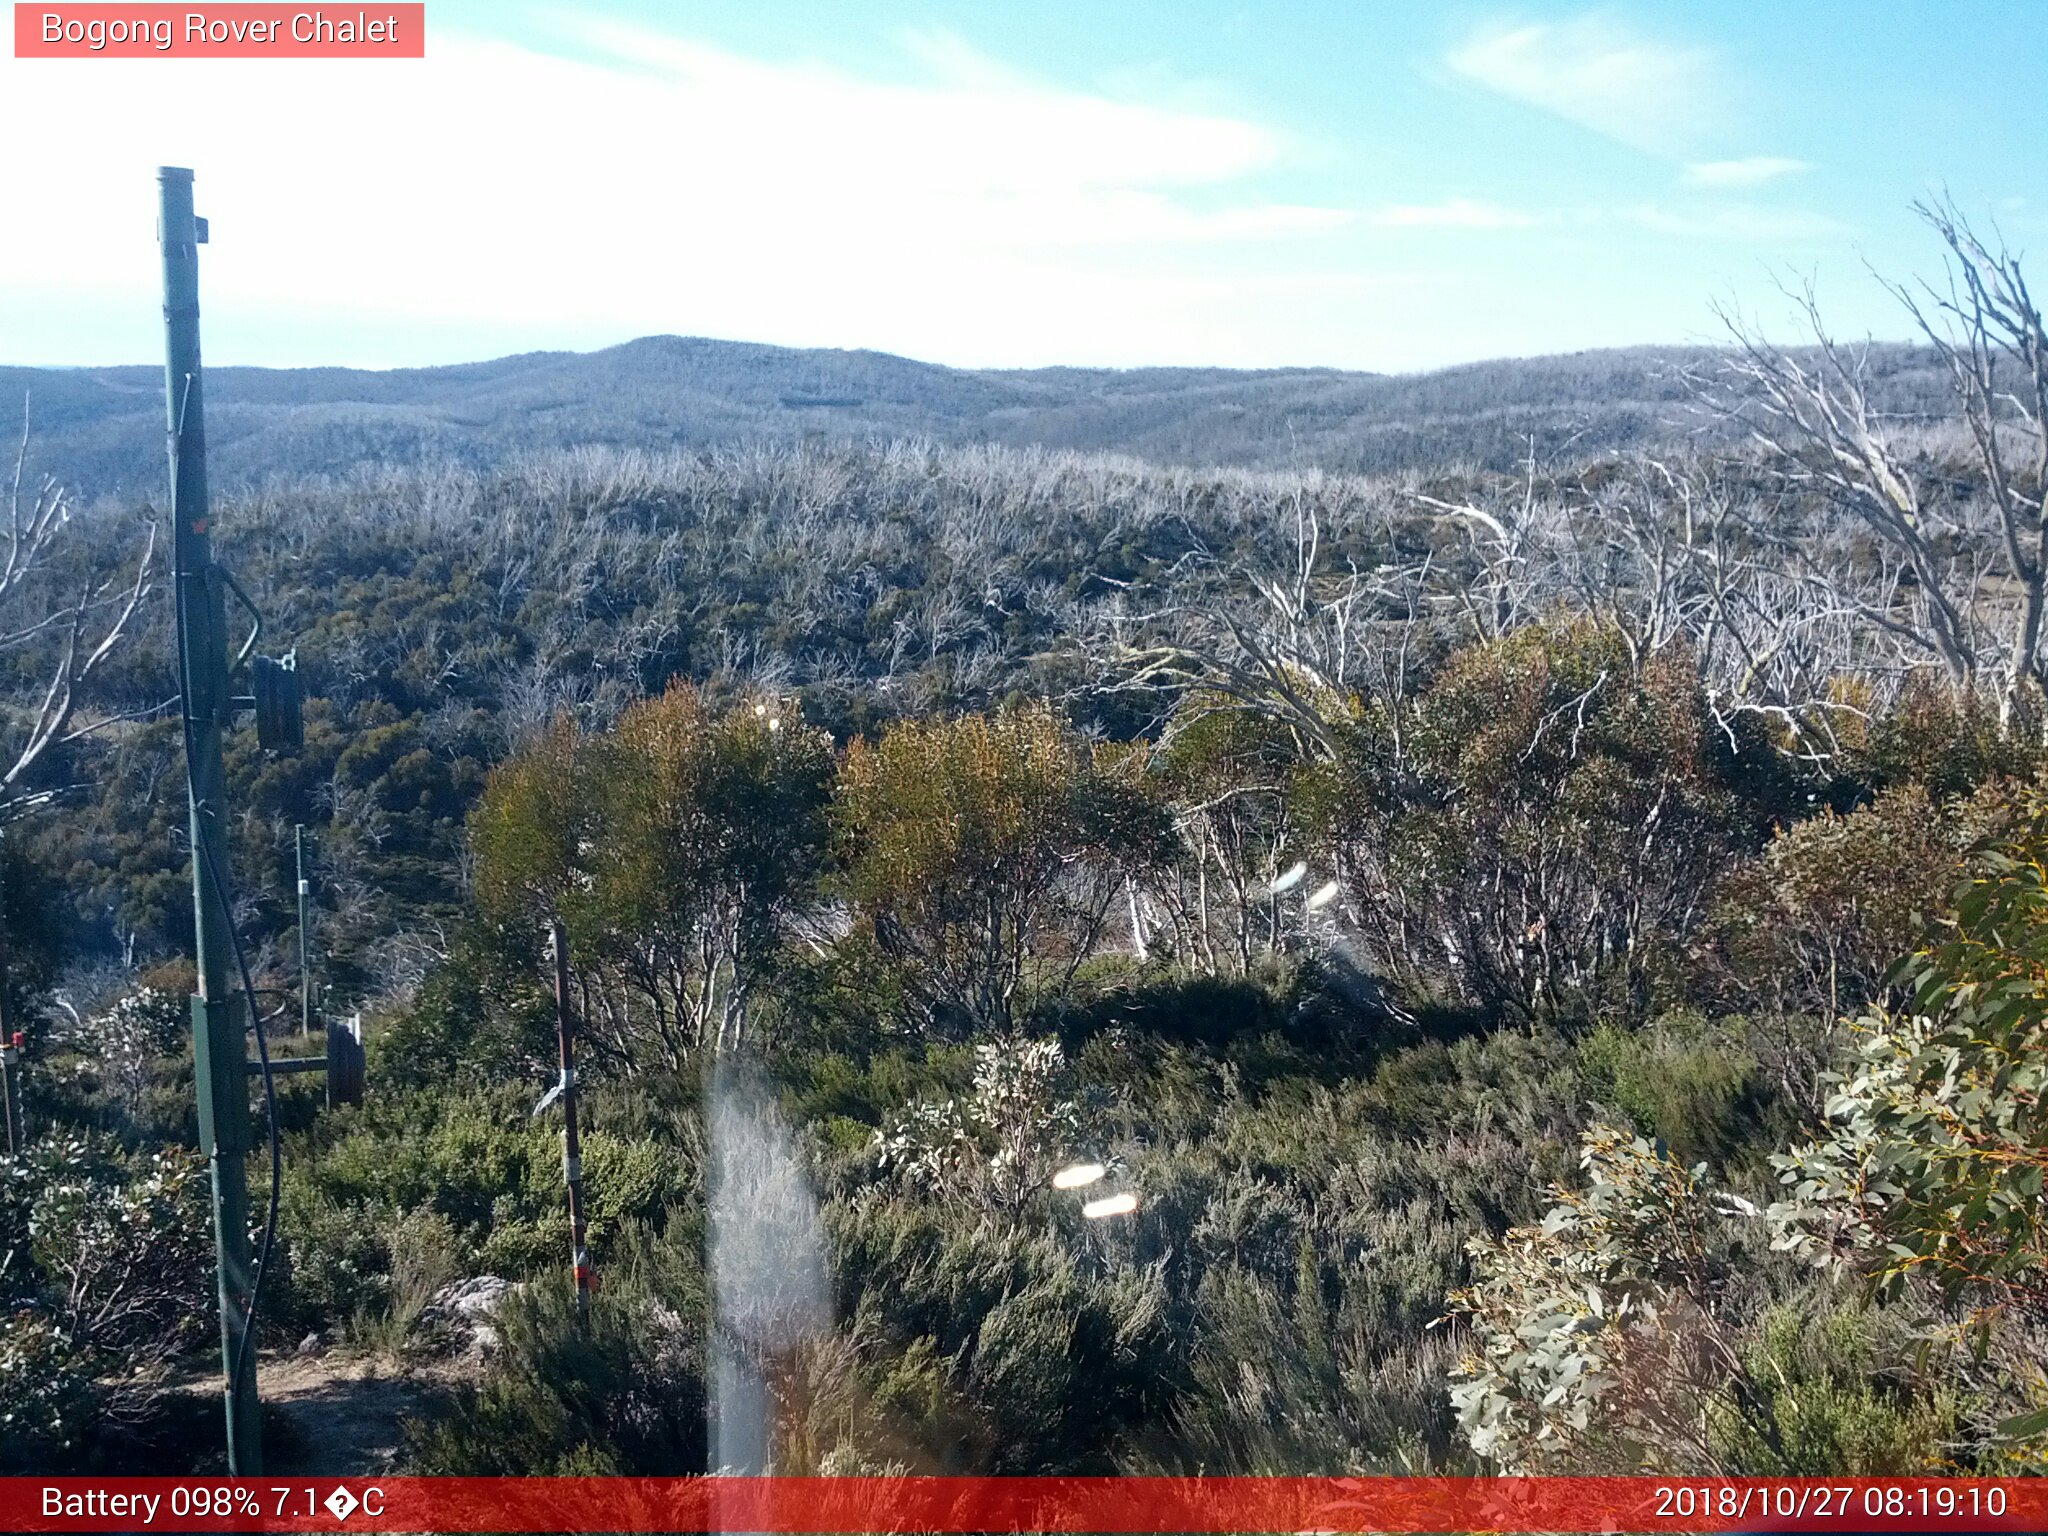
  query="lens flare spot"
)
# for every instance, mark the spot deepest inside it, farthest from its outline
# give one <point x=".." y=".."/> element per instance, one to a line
<point x="1288" y="878"/>
<point x="1110" y="1205"/>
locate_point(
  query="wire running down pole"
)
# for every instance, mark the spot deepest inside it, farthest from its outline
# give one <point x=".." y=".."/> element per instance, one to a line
<point x="572" y="1144"/>
<point x="218" y="1024"/>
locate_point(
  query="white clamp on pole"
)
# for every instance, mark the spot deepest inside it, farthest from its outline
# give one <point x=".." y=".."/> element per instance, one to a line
<point x="562" y="1086"/>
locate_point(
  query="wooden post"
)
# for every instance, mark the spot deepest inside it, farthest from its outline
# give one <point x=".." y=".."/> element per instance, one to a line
<point x="572" y="1145"/>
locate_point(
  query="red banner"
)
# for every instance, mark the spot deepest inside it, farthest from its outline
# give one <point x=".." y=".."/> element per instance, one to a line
<point x="1126" y="1504"/>
<point x="101" y="31"/>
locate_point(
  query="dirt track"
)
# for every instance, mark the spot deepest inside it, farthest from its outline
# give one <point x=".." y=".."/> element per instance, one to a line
<point x="343" y="1413"/>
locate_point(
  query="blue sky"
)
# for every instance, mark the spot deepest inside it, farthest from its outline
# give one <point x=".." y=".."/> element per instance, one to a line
<point x="1361" y="185"/>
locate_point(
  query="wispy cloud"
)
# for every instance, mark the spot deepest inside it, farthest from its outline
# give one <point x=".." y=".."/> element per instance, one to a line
<point x="1453" y="213"/>
<point x="1751" y="171"/>
<point x="1738" y="221"/>
<point x="1650" y="93"/>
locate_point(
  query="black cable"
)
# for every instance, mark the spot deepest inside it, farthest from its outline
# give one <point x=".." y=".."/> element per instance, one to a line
<point x="200" y="850"/>
<point x="270" y="1119"/>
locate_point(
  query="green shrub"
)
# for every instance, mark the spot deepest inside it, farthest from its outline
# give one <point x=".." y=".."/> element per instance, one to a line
<point x="1600" y="1337"/>
<point x="1678" y="1083"/>
<point x="1832" y="1393"/>
<point x="1525" y="1084"/>
<point x="1018" y="1358"/>
<point x="1633" y="1330"/>
<point x="430" y="1185"/>
<point x="1021" y="1371"/>
<point x="1933" y="1161"/>
<point x="1530" y="835"/>
<point x="1951" y="744"/>
<point x="108" y="1271"/>
<point x="1815" y="921"/>
<point x="122" y="1246"/>
<point x="619" y="1392"/>
<point x="48" y="1400"/>
<point x="998" y="1146"/>
<point x="1201" y="1010"/>
<point x="335" y="1260"/>
<point x="481" y="1017"/>
<point x="426" y="1254"/>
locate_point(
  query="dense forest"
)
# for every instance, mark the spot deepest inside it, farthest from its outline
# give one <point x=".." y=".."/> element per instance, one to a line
<point x="1445" y="958"/>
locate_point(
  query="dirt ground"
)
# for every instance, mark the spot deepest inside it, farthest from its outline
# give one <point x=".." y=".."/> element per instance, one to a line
<point x="341" y="1415"/>
<point x="328" y="1415"/>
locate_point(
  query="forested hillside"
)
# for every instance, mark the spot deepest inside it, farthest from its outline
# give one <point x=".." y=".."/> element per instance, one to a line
<point x="1544" y="945"/>
<point x="102" y="428"/>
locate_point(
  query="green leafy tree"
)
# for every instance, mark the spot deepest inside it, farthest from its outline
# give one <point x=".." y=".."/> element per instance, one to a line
<point x="711" y="838"/>
<point x="985" y="854"/>
<point x="676" y="850"/>
<point x="533" y="830"/>
<point x="1536" y="832"/>
<point x="1228" y="774"/>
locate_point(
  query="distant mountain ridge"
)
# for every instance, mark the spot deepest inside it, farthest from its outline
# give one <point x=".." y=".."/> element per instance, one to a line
<point x="101" y="429"/>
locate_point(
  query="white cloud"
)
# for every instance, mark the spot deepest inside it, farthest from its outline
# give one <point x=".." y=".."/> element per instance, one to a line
<point x="1453" y="213"/>
<point x="969" y="214"/>
<point x="1751" y="171"/>
<point x="1593" y="70"/>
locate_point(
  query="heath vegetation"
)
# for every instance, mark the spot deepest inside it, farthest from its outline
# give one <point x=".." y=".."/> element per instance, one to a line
<point x="1555" y="942"/>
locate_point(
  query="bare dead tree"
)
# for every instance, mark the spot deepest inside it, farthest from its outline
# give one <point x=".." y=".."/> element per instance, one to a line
<point x="1988" y="331"/>
<point x="48" y="607"/>
<point x="1293" y="653"/>
<point x="1965" y="577"/>
<point x="1814" y="420"/>
<point x="1507" y="543"/>
<point x="1683" y="551"/>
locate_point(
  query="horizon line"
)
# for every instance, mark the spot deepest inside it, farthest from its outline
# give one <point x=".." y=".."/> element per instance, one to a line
<point x="1907" y="342"/>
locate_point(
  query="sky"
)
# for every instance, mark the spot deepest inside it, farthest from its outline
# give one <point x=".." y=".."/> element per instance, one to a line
<point x="1345" y="183"/>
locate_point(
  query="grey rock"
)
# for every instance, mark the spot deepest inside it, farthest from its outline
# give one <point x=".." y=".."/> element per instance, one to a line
<point x="469" y="1301"/>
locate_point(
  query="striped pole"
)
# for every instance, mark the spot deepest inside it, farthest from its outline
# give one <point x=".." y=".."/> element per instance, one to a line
<point x="572" y="1144"/>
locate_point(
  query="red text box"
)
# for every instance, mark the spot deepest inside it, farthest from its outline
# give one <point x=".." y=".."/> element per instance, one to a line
<point x="101" y="31"/>
<point x="1023" y="1504"/>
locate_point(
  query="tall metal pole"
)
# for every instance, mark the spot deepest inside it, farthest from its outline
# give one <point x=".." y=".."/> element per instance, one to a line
<point x="572" y="1144"/>
<point x="305" y="966"/>
<point x="218" y="1026"/>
